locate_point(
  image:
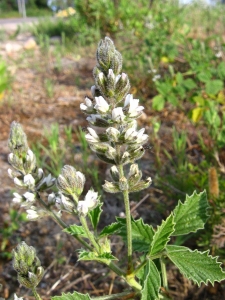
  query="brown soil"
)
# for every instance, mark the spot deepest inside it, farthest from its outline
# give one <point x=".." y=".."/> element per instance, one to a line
<point x="29" y="103"/>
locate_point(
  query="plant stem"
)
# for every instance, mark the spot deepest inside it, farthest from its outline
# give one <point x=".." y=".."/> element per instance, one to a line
<point x="36" y="295"/>
<point x="89" y="233"/>
<point x="128" y="224"/>
<point x="120" y="296"/>
<point x="60" y="222"/>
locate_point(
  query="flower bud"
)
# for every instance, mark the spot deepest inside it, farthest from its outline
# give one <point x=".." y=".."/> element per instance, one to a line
<point x="122" y="87"/>
<point x="64" y="203"/>
<point x="113" y="134"/>
<point x="134" y="175"/>
<point x="27" y="266"/>
<point x="116" y="63"/>
<point x="110" y="85"/>
<point x="87" y="107"/>
<point x="115" y="173"/>
<point x="111" y="187"/>
<point x="104" y="244"/>
<point x="105" y="54"/>
<point x="141" y="185"/>
<point x="70" y="182"/>
<point x="17" y="140"/>
<point x="123" y="185"/>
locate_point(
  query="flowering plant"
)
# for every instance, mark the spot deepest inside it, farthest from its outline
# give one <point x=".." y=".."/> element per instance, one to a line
<point x="113" y="135"/>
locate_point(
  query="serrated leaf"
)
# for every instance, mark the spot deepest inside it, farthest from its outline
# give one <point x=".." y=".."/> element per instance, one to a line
<point x="158" y="102"/>
<point x="74" y="296"/>
<point x="162" y="236"/>
<point x="212" y="87"/>
<point x="111" y="229"/>
<point x="195" y="265"/>
<point x="189" y="84"/>
<point x="75" y="230"/>
<point x="152" y="282"/>
<point x="191" y="215"/>
<point x="103" y="258"/>
<point x="142" y="234"/>
<point x="95" y="214"/>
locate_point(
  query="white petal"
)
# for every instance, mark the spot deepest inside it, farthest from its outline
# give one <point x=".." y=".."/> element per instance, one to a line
<point x="29" y="180"/>
<point x="83" y="106"/>
<point x="29" y="196"/>
<point x="82" y="207"/>
<point x="93" y="132"/>
<point x="128" y="98"/>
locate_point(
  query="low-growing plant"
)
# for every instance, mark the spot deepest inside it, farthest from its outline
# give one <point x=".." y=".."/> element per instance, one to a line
<point x="117" y="142"/>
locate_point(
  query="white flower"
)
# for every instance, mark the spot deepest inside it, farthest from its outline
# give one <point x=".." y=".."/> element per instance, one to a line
<point x="30" y="155"/>
<point x="40" y="173"/>
<point x="30" y="197"/>
<point x="118" y="115"/>
<point x="141" y="137"/>
<point x="130" y="134"/>
<point x="28" y="180"/>
<point x="134" y="110"/>
<point x="219" y="54"/>
<point x="51" y="198"/>
<point x="156" y="77"/>
<point x="91" y="199"/>
<point x="32" y="214"/>
<point x="64" y="203"/>
<point x="101" y="105"/>
<point x="17" y="198"/>
<point x="35" y="213"/>
<point x="82" y="207"/>
<point x="92" y="136"/>
<point x="18" y="182"/>
<point x="88" y="106"/>
<point x="17" y="298"/>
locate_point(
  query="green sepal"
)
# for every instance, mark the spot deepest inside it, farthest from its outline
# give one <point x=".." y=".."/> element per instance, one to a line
<point x="192" y="214"/>
<point x="152" y="282"/>
<point x="142" y="234"/>
<point x="75" y="230"/>
<point x="104" y="258"/>
<point x="111" y="229"/>
<point x="74" y="296"/>
<point x="94" y="215"/>
<point x="162" y="236"/>
<point x="195" y="265"/>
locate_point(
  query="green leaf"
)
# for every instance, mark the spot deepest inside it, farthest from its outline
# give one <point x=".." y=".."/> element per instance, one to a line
<point x="158" y="102"/>
<point x="162" y="236"/>
<point x="95" y="214"/>
<point x="111" y="229"/>
<point x="142" y="234"/>
<point x="179" y="78"/>
<point x="189" y="84"/>
<point x="103" y="258"/>
<point x="196" y="114"/>
<point x="191" y="215"/>
<point x="221" y="70"/>
<point x="74" y="296"/>
<point x="204" y="76"/>
<point x="172" y="99"/>
<point x="164" y="88"/>
<point x="213" y="87"/>
<point x="195" y="265"/>
<point x="152" y="282"/>
<point x="75" y="230"/>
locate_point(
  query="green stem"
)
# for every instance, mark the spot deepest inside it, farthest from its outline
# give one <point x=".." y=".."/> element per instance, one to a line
<point x="60" y="222"/>
<point x="164" y="275"/>
<point x="158" y="255"/>
<point x="89" y="233"/>
<point x="128" y="224"/>
<point x="120" y="296"/>
<point x="36" y="295"/>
